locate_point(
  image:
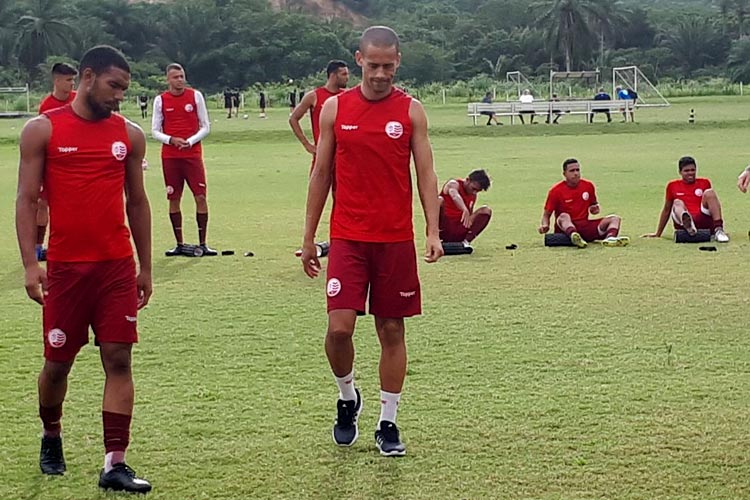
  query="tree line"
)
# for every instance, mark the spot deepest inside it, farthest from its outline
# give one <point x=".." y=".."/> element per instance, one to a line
<point x="245" y="43"/>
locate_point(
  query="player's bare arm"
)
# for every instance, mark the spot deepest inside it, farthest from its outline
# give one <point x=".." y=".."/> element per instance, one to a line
<point x="451" y="189"/>
<point x="139" y="211"/>
<point x="544" y="224"/>
<point x="305" y="105"/>
<point x="663" y="218"/>
<point x="33" y="147"/>
<point x="743" y="181"/>
<point x="320" y="185"/>
<point x="426" y="179"/>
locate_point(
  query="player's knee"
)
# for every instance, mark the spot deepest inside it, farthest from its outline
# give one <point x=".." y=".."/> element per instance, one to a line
<point x="710" y="194"/>
<point x="55" y="372"/>
<point x="117" y="362"/>
<point x="484" y="209"/>
<point x="391" y="332"/>
<point x="339" y="333"/>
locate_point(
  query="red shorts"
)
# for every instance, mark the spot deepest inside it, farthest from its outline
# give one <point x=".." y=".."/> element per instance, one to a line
<point x="179" y="170"/>
<point x="102" y="295"/>
<point x="452" y="230"/>
<point x="387" y="270"/>
<point x="587" y="228"/>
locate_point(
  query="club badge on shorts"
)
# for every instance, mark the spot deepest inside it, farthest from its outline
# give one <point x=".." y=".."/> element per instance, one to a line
<point x="333" y="287"/>
<point x="56" y="338"/>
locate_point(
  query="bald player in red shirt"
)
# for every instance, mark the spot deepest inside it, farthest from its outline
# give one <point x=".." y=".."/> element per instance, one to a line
<point x="571" y="201"/>
<point x="460" y="221"/>
<point x="63" y="81"/>
<point x="371" y="132"/>
<point x="312" y="102"/>
<point x="91" y="161"/>
<point x="692" y="204"/>
<point x="180" y="122"/>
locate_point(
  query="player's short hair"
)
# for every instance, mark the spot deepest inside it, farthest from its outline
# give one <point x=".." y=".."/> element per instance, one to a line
<point x="63" y="69"/>
<point x="481" y="177"/>
<point x="176" y="66"/>
<point x="685" y="161"/>
<point x="567" y="162"/>
<point x="334" y="66"/>
<point x="103" y="57"/>
<point x="379" y="36"/>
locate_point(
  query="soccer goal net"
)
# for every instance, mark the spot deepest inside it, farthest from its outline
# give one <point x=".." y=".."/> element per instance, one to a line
<point x="631" y="77"/>
<point x="9" y="97"/>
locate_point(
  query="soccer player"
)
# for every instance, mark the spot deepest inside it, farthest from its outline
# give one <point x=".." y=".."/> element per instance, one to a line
<point x="63" y="81"/>
<point x="571" y="201"/>
<point x="459" y="222"/>
<point x="312" y="102"/>
<point x="90" y="158"/>
<point x="180" y="122"/>
<point x="370" y="132"/>
<point x="691" y="203"/>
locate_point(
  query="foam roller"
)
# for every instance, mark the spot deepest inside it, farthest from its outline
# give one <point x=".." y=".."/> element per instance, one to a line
<point x="456" y="248"/>
<point x="557" y="240"/>
<point x="682" y="236"/>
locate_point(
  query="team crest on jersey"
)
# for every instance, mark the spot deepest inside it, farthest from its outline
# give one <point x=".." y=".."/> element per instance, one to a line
<point x="56" y="338"/>
<point x="119" y="150"/>
<point x="394" y="130"/>
<point x="699" y="192"/>
<point x="333" y="288"/>
<point x="585" y="195"/>
<point x="189" y="108"/>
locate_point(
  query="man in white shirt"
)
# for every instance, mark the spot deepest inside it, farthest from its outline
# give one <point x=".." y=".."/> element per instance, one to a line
<point x="180" y="122"/>
<point x="526" y="98"/>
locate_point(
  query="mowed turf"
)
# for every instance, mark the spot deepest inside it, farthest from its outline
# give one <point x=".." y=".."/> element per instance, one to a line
<point x="536" y="373"/>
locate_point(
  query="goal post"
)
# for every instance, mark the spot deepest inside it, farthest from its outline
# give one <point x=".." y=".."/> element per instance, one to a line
<point x="12" y="92"/>
<point x="633" y="78"/>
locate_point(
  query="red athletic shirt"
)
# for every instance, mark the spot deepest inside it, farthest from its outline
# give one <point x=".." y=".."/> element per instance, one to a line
<point x="572" y="201"/>
<point x="373" y="178"/>
<point x="450" y="210"/>
<point x="690" y="194"/>
<point x="84" y="177"/>
<point x="51" y="102"/>
<point x="321" y="96"/>
<point x="181" y="120"/>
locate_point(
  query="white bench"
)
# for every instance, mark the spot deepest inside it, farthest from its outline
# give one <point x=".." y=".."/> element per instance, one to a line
<point x="547" y="108"/>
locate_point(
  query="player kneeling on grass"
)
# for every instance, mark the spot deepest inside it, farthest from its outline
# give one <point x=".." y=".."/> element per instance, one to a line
<point x="572" y="200"/>
<point x="458" y="220"/>
<point x="692" y="203"/>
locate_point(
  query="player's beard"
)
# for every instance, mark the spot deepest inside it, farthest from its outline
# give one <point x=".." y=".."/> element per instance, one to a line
<point x="100" y="112"/>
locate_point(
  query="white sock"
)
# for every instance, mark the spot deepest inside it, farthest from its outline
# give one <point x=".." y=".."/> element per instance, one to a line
<point x="388" y="406"/>
<point x="111" y="458"/>
<point x="346" y="387"/>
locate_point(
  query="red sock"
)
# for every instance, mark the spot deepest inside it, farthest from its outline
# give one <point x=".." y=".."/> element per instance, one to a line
<point x="41" y="232"/>
<point x="480" y="222"/>
<point x="202" y="220"/>
<point x="116" y="431"/>
<point x="176" y="219"/>
<point x="718" y="224"/>
<point x="612" y="232"/>
<point x="570" y="230"/>
<point x="51" y="419"/>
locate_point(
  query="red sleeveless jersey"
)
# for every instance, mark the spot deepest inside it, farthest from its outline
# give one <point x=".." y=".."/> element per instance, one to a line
<point x="373" y="179"/>
<point x="181" y="120"/>
<point x="450" y="209"/>
<point x="84" y="177"/>
<point x="51" y="102"/>
<point x="321" y="96"/>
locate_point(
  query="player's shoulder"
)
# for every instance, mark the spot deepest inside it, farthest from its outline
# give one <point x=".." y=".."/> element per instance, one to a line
<point x="587" y="183"/>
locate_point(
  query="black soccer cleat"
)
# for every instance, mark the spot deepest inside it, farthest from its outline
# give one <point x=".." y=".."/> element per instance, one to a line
<point x="345" y="429"/>
<point x="208" y="251"/>
<point x="51" y="459"/>
<point x="174" y="252"/>
<point x="388" y="441"/>
<point x="123" y="478"/>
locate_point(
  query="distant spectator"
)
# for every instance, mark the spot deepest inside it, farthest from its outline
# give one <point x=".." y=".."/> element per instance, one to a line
<point x="487" y="99"/>
<point x="627" y="95"/>
<point x="236" y="102"/>
<point x="557" y="112"/>
<point x="601" y="96"/>
<point x="526" y="98"/>
<point x="228" y="102"/>
<point x="143" y="103"/>
<point x="262" y="104"/>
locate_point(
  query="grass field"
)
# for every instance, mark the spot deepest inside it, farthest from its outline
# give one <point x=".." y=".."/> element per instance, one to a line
<point x="534" y="374"/>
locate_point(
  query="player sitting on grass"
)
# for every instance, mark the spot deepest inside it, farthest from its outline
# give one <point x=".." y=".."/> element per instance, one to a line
<point x="458" y="220"/>
<point x="572" y="200"/>
<point x="692" y="203"/>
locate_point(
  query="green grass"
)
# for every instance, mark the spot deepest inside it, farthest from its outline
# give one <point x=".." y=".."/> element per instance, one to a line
<point x="534" y="374"/>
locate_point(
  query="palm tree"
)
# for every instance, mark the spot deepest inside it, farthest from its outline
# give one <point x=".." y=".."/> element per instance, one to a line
<point x="695" y="42"/>
<point x="608" y="17"/>
<point x="568" y="27"/>
<point x="41" y="33"/>
<point x="739" y="61"/>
